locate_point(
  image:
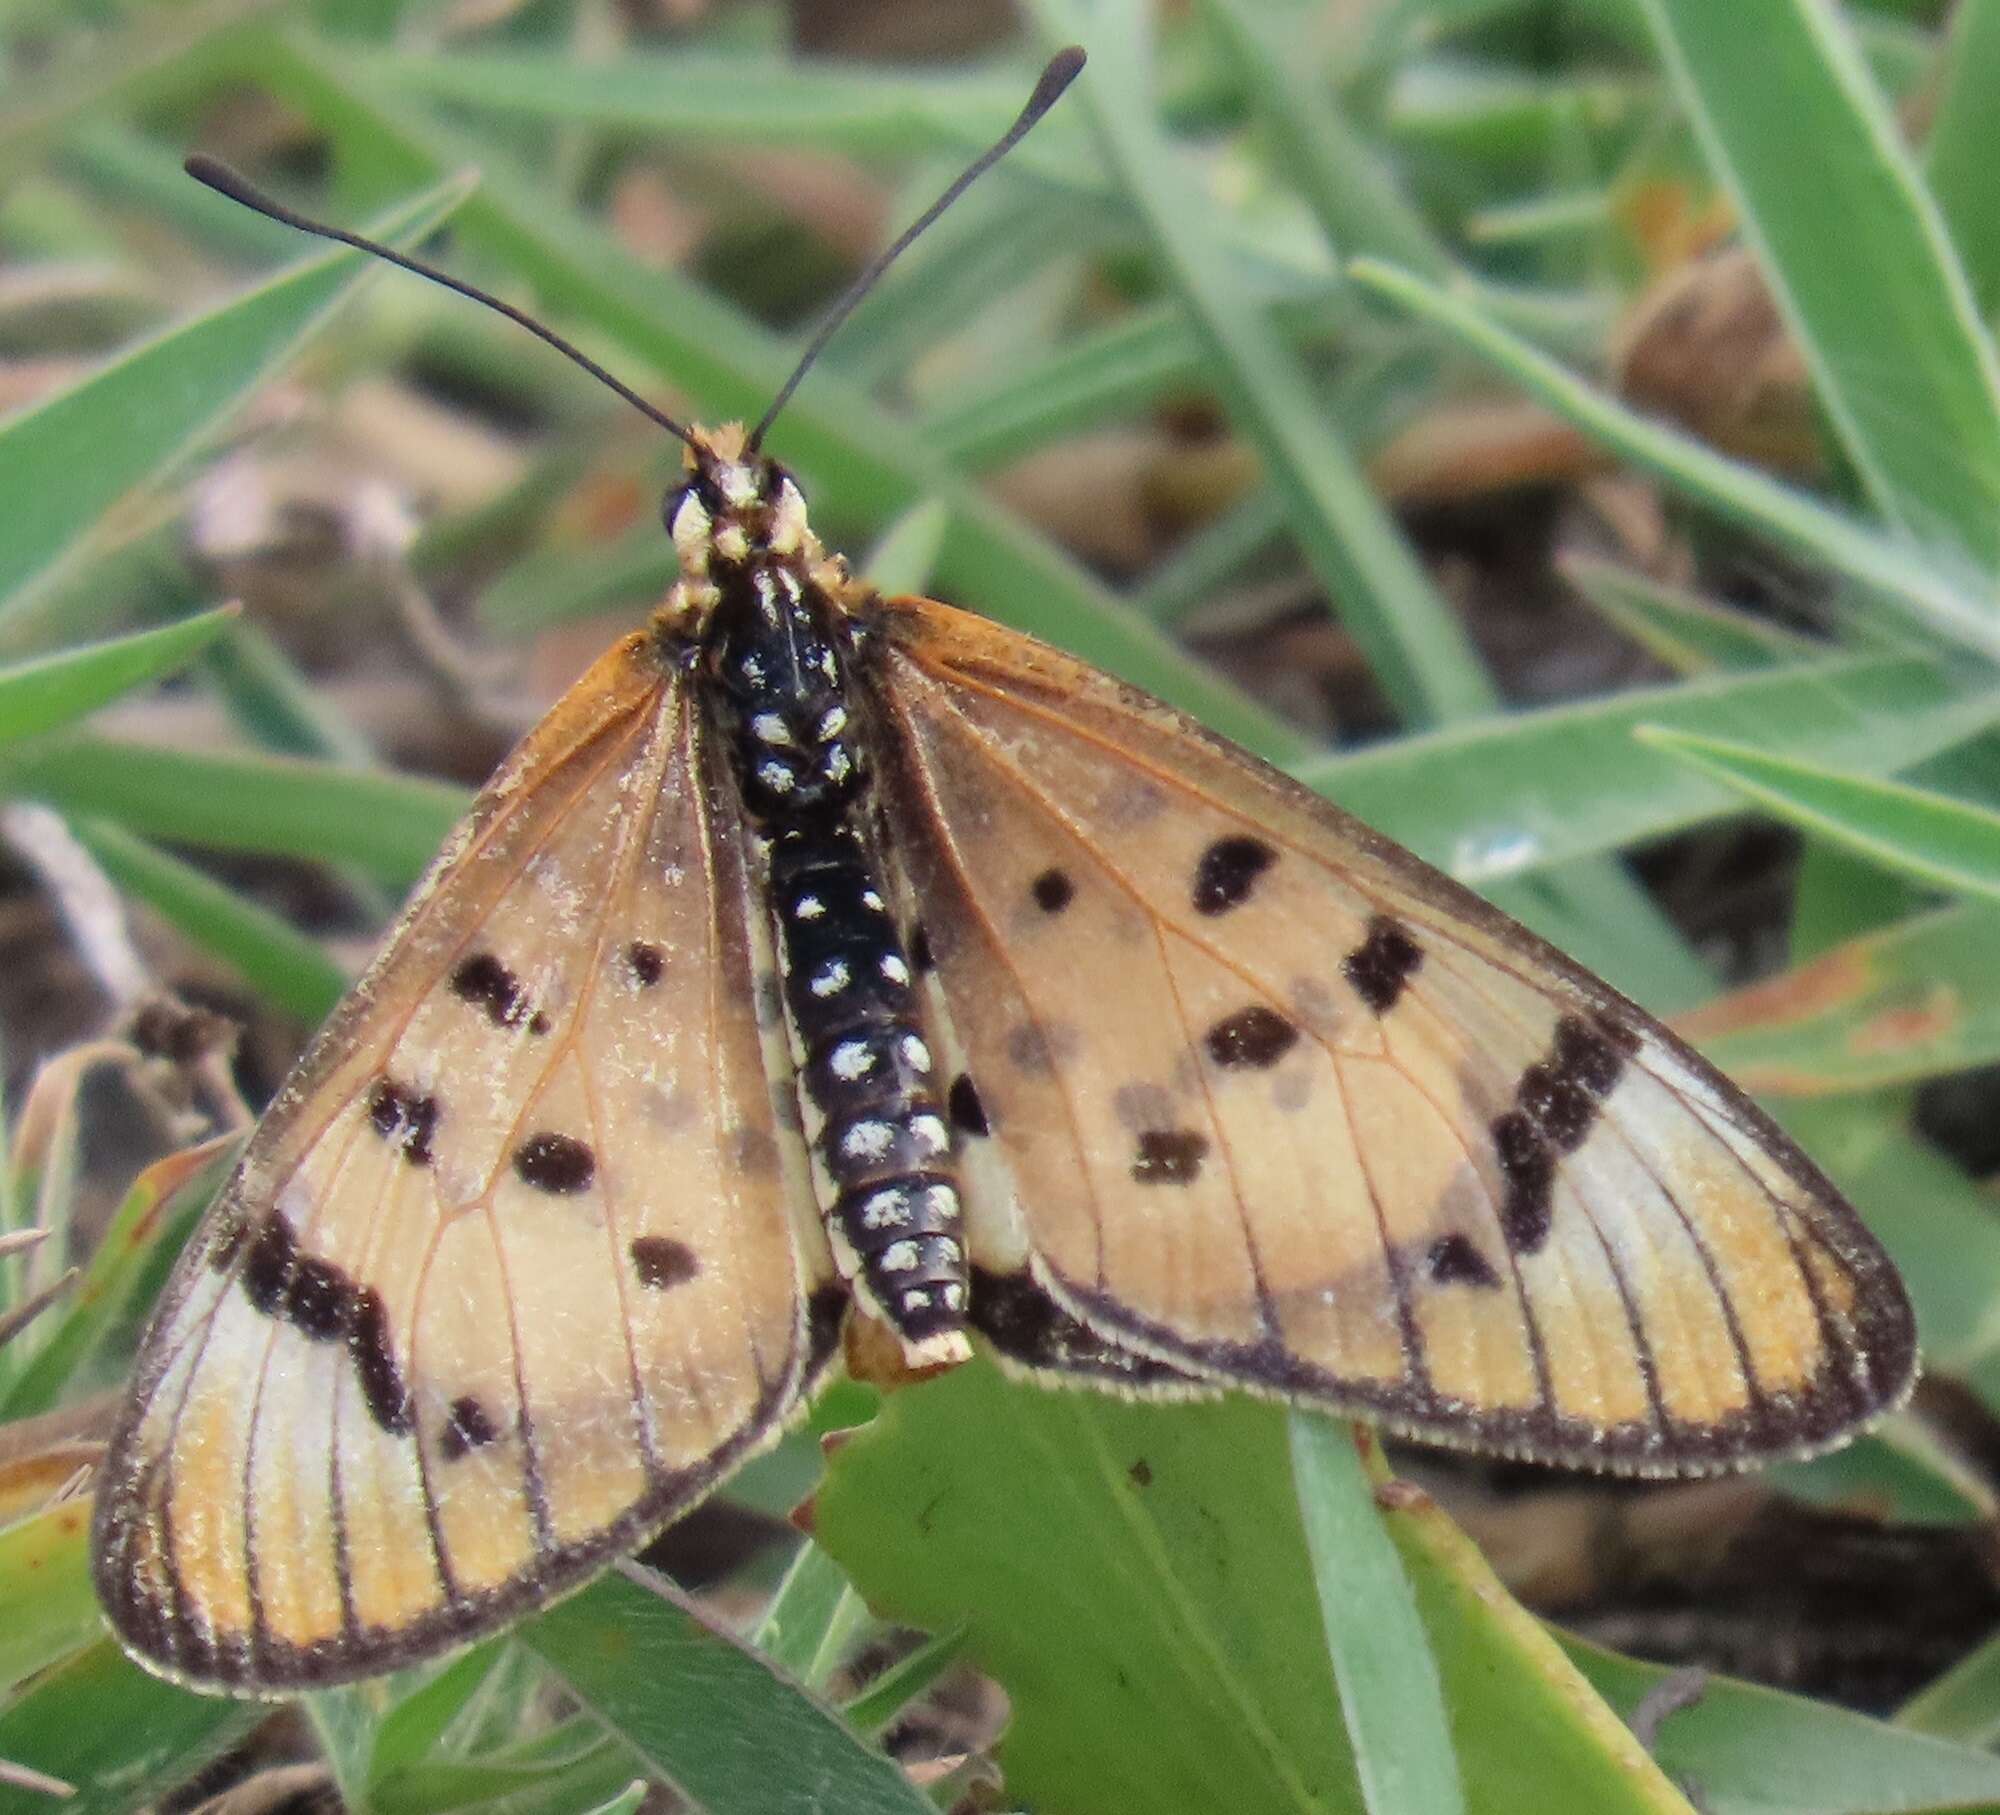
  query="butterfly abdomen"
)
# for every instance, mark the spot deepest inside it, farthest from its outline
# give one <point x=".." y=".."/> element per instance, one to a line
<point x="866" y="1077"/>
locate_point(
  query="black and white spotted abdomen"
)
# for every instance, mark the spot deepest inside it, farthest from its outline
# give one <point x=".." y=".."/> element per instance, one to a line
<point x="869" y="1099"/>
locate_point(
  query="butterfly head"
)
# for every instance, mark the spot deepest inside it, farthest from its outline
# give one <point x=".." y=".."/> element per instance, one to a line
<point x="734" y="508"/>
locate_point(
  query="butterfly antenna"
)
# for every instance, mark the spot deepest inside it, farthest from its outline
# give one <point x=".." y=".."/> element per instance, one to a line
<point x="225" y="181"/>
<point x="1057" y="75"/>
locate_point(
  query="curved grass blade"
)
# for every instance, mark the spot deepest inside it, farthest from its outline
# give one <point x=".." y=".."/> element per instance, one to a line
<point x="1895" y="575"/>
<point x="1390" y="1695"/>
<point x="65" y="462"/>
<point x="55" y="690"/>
<point x="1939" y="841"/>
<point x="1858" y="258"/>
<point x="733" y="1732"/>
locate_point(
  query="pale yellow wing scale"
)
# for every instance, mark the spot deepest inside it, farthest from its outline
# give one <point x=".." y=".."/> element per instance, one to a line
<point x="515" y="1268"/>
<point x="1253" y="1092"/>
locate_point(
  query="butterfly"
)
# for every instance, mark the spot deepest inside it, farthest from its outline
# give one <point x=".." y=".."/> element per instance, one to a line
<point x="828" y="960"/>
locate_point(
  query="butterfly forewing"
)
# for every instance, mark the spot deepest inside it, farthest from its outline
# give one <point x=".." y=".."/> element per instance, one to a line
<point x="512" y="1271"/>
<point x="1254" y="1092"/>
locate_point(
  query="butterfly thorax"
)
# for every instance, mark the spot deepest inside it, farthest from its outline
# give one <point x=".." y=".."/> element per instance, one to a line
<point x="773" y="629"/>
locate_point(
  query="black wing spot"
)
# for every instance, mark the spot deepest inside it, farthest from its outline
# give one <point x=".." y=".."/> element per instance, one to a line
<point x="1228" y="872"/>
<point x="484" y="983"/>
<point x="1169" y="1156"/>
<point x="1529" y="1171"/>
<point x="1556" y="1104"/>
<point x="1455" y="1260"/>
<point x="663" y="1263"/>
<point x="648" y="962"/>
<point x="468" y="1426"/>
<point x="968" y="1113"/>
<point x="1256" y="1037"/>
<point x="1053" y="891"/>
<point x="1382" y="964"/>
<point x="559" y="1164"/>
<point x="323" y="1303"/>
<point x="402" y="1117"/>
<point x="382" y="1388"/>
<point x="918" y="944"/>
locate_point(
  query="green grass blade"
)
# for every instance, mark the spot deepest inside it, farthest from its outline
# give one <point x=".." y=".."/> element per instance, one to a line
<point x="1212" y="560"/>
<point x="1914" y="1001"/>
<point x="1962" y="1704"/>
<point x="804" y="1614"/>
<point x="1900" y="576"/>
<point x="1414" y="643"/>
<point x="288" y="969"/>
<point x="1503" y="798"/>
<point x="169" y="50"/>
<point x="1944" y="843"/>
<point x="1360" y="205"/>
<point x="733" y="1732"/>
<point x="386" y="825"/>
<point x="1690" y="634"/>
<point x="56" y="690"/>
<point x="51" y="1611"/>
<point x="721" y="99"/>
<point x="1858" y="257"/>
<point x="1756" y="1751"/>
<point x="1390" y="1695"/>
<point x="1958" y="159"/>
<point x="121" y="1737"/>
<point x="905" y="554"/>
<point x="902" y="1683"/>
<point x="86" y="1349"/>
<point x="68" y="460"/>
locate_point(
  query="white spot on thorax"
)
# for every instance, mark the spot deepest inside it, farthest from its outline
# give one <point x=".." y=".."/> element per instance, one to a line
<point x="770" y="728"/>
<point x="691" y="533"/>
<point x="808" y="907"/>
<point x="788" y="521"/>
<point x="916" y="1055"/>
<point x="929" y="1131"/>
<point x="894" y="969"/>
<point x="831" y="980"/>
<point x="833" y="721"/>
<point x="899" y="1257"/>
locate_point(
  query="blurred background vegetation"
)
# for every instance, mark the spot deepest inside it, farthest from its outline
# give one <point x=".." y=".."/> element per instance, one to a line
<point x="1565" y="431"/>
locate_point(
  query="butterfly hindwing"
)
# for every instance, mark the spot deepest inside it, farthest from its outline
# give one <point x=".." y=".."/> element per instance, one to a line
<point x="514" y="1268"/>
<point x="1253" y="1092"/>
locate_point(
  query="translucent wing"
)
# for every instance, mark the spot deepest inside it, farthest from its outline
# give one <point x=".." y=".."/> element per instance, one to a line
<point x="1250" y="1091"/>
<point x="511" y="1273"/>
